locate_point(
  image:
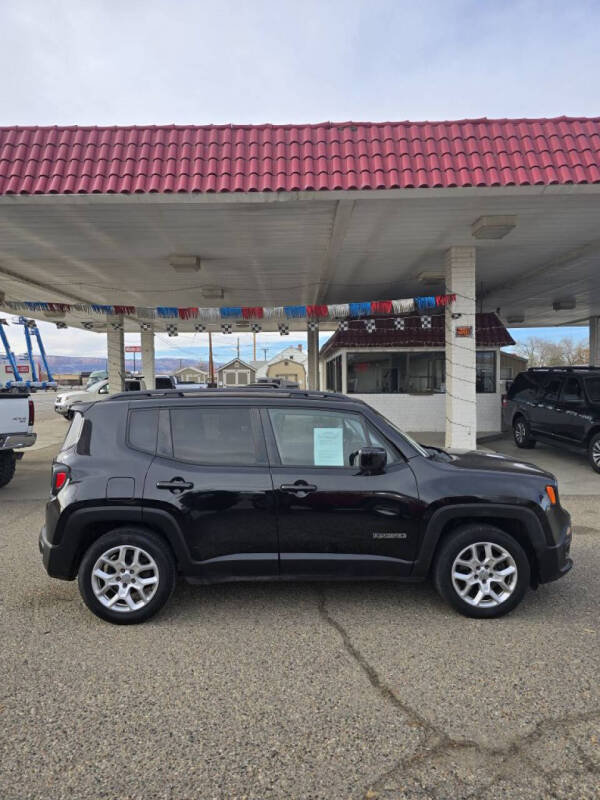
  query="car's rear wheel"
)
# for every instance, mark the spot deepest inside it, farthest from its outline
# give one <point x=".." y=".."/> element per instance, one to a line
<point x="522" y="433"/>
<point x="594" y="452"/>
<point x="7" y="467"/>
<point x="481" y="571"/>
<point x="127" y="575"/>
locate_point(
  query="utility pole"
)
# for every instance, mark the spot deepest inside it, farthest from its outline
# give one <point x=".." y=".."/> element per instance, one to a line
<point x="238" y="347"/>
<point x="211" y="366"/>
<point x="265" y="350"/>
<point x="254" y="346"/>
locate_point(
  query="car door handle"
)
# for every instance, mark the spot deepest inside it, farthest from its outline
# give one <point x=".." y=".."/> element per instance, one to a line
<point x="174" y="485"/>
<point x="300" y="488"/>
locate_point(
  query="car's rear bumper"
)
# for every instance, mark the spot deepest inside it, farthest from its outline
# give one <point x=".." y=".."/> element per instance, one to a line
<point x="555" y="561"/>
<point x="13" y="441"/>
<point x="55" y="558"/>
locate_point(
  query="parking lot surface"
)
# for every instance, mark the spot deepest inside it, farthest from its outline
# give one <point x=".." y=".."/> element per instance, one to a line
<point x="372" y="690"/>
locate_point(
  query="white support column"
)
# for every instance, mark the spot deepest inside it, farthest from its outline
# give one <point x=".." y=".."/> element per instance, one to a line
<point x="594" y="324"/>
<point x="148" y="368"/>
<point x="344" y="372"/>
<point x="461" y="398"/>
<point x="312" y="346"/>
<point x="116" y="360"/>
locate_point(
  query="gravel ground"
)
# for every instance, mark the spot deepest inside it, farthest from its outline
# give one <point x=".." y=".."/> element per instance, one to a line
<point x="294" y="691"/>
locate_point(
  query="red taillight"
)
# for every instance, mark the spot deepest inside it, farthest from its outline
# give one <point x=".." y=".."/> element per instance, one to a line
<point x="504" y="401"/>
<point x="60" y="475"/>
<point x="31" y="413"/>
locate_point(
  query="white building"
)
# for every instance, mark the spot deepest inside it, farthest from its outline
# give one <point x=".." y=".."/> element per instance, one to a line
<point x="290" y="364"/>
<point x="191" y="375"/>
<point x="402" y="372"/>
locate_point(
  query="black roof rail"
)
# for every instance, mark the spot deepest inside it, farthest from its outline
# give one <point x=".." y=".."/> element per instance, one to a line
<point x="561" y="369"/>
<point x="248" y="391"/>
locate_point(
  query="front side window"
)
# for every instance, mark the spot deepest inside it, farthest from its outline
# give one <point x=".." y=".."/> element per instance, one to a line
<point x="592" y="386"/>
<point x="307" y="437"/>
<point x="213" y="435"/>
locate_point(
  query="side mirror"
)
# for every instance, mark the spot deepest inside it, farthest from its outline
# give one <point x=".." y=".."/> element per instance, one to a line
<point x="369" y="460"/>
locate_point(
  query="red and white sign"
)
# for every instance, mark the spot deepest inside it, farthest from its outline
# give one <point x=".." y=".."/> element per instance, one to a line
<point x="20" y="367"/>
<point x="133" y="348"/>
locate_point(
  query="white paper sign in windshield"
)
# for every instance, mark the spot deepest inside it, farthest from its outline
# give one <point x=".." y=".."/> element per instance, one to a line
<point x="329" y="447"/>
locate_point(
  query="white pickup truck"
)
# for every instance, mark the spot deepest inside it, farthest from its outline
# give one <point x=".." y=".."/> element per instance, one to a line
<point x="16" y="430"/>
<point x="99" y="390"/>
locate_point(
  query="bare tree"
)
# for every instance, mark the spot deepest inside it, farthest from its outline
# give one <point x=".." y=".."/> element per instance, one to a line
<point x="541" y="352"/>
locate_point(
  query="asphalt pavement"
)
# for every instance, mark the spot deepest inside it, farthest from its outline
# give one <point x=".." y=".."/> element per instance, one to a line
<point x="372" y="690"/>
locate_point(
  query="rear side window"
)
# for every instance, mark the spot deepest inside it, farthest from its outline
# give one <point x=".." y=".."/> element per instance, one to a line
<point x="74" y="431"/>
<point x="571" y="392"/>
<point x="524" y="388"/>
<point x="216" y="436"/>
<point x="552" y="390"/>
<point x="143" y="426"/>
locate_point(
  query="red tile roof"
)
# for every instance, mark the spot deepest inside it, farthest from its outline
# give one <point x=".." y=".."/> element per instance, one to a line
<point x="489" y="332"/>
<point x="272" y="158"/>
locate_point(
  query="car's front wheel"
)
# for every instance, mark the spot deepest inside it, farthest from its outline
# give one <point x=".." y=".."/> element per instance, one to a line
<point x="127" y="575"/>
<point x="594" y="452"/>
<point x="7" y="467"/>
<point x="481" y="571"/>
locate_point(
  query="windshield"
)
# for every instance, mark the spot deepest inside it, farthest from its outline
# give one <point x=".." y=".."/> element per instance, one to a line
<point x="419" y="448"/>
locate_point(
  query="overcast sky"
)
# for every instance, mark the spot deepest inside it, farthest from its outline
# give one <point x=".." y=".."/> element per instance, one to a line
<point x="159" y="61"/>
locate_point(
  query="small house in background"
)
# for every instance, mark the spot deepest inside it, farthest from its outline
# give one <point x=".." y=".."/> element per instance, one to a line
<point x="191" y="375"/>
<point x="510" y="365"/>
<point x="289" y="364"/>
<point x="236" y="373"/>
<point x="398" y="366"/>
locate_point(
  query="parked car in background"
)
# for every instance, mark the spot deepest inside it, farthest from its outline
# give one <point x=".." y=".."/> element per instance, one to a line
<point x="241" y="484"/>
<point x="556" y="405"/>
<point x="99" y="390"/>
<point x="171" y="382"/>
<point x="16" y="430"/>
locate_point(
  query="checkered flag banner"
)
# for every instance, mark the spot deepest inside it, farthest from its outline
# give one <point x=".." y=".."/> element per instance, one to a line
<point x="284" y="330"/>
<point x="116" y="326"/>
<point x="199" y="327"/>
<point x="344" y="325"/>
<point x="399" y="324"/>
<point x="370" y="325"/>
<point x="146" y="326"/>
<point x="255" y="327"/>
<point x="30" y="323"/>
<point x="61" y="325"/>
<point x="88" y="325"/>
<point x="312" y="325"/>
<point x="172" y="330"/>
<point x="227" y="327"/>
<point x="426" y="322"/>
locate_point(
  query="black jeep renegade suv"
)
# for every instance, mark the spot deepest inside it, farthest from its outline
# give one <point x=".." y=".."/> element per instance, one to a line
<point x="280" y="484"/>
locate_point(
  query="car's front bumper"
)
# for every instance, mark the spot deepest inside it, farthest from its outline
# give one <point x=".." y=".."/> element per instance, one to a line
<point x="555" y="561"/>
<point x="14" y="441"/>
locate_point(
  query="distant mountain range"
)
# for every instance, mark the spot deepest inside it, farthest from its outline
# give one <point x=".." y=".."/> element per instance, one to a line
<point x="68" y="365"/>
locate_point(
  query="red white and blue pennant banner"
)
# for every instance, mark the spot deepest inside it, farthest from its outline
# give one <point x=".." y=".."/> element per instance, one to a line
<point x="225" y="315"/>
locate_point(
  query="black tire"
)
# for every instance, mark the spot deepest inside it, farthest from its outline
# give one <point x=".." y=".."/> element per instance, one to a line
<point x="522" y="433"/>
<point x="155" y="547"/>
<point x="452" y="546"/>
<point x="7" y="467"/>
<point x="594" y="452"/>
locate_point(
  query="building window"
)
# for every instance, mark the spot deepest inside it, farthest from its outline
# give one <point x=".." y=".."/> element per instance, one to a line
<point x="242" y="378"/>
<point x="333" y="374"/>
<point x="400" y="372"/>
<point x="230" y="378"/>
<point x="485" y="368"/>
<point x="406" y="372"/>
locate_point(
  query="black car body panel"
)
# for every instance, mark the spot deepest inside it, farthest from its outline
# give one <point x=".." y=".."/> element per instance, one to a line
<point x="268" y="514"/>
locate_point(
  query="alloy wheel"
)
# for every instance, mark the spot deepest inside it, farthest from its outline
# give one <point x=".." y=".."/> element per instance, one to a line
<point x="596" y="453"/>
<point x="520" y="431"/>
<point x="484" y="574"/>
<point x="125" y="578"/>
